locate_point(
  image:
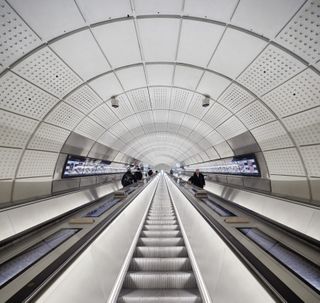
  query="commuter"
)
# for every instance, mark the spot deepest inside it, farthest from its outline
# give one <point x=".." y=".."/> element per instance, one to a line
<point x="197" y="179"/>
<point x="171" y="172"/>
<point x="128" y="178"/>
<point x="150" y="172"/>
<point x="138" y="174"/>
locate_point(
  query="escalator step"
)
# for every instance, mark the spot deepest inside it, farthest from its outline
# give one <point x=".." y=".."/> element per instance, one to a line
<point x="161" y="234"/>
<point x="160" y="227"/>
<point x="159" y="296"/>
<point x="162" y="222"/>
<point x="167" y="280"/>
<point x="160" y="264"/>
<point x="161" y="252"/>
<point x="178" y="241"/>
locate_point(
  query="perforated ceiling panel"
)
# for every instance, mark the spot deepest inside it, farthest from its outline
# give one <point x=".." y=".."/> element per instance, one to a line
<point x="224" y="150"/>
<point x="180" y="99"/>
<point x="270" y="69"/>
<point x="216" y="115"/>
<point x="310" y="155"/>
<point x="305" y="126"/>
<point x="234" y="98"/>
<point x="8" y="160"/>
<point x="104" y="116"/>
<point x="47" y="71"/>
<point x="231" y="128"/>
<point x="257" y="60"/>
<point x="140" y="100"/>
<point x="272" y="136"/>
<point x="160" y="97"/>
<point x="284" y="162"/>
<point x="15" y="130"/>
<point x="49" y="138"/>
<point x="37" y="163"/>
<point x="16" y="38"/>
<point x="300" y="93"/>
<point x="65" y="116"/>
<point x="255" y="114"/>
<point x="90" y="129"/>
<point x="84" y="99"/>
<point x="301" y="35"/>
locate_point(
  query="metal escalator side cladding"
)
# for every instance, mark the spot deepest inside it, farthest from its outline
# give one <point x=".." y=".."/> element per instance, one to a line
<point x="160" y="269"/>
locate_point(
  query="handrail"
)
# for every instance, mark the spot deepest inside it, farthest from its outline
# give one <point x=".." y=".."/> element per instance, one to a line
<point x="45" y="278"/>
<point x="275" y="286"/>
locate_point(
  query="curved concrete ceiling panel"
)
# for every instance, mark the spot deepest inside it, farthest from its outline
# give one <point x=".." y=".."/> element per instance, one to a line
<point x="62" y="61"/>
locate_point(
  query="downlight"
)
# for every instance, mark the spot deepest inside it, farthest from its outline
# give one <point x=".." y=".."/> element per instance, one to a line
<point x="206" y="101"/>
<point x="114" y="102"/>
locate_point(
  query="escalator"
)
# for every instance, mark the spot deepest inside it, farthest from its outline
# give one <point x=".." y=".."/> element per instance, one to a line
<point x="160" y="270"/>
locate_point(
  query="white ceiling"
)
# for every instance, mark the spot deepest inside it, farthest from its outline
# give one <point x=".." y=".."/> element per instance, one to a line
<point x="60" y="69"/>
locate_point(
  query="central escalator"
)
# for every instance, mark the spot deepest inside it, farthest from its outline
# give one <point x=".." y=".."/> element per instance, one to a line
<point x="160" y="270"/>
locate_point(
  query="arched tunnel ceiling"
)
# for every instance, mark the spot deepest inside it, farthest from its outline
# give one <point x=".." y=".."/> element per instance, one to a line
<point x="62" y="60"/>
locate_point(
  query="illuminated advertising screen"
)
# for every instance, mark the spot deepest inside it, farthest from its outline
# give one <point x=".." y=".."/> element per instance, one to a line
<point x="245" y="165"/>
<point x="77" y="166"/>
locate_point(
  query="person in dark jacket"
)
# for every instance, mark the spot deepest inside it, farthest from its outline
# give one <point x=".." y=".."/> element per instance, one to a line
<point x="128" y="178"/>
<point x="138" y="174"/>
<point x="197" y="179"/>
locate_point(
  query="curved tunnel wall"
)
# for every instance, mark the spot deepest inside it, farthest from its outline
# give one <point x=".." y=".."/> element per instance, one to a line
<point x="61" y="62"/>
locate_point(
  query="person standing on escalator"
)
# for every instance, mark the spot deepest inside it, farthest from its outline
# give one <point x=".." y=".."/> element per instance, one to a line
<point x="197" y="179"/>
<point x="128" y="178"/>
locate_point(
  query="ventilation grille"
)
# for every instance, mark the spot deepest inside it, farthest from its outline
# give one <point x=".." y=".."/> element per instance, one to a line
<point x="270" y="69"/>
<point x="301" y="35"/>
<point x="46" y="70"/>
<point x="19" y="96"/>
<point x="16" y="38"/>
